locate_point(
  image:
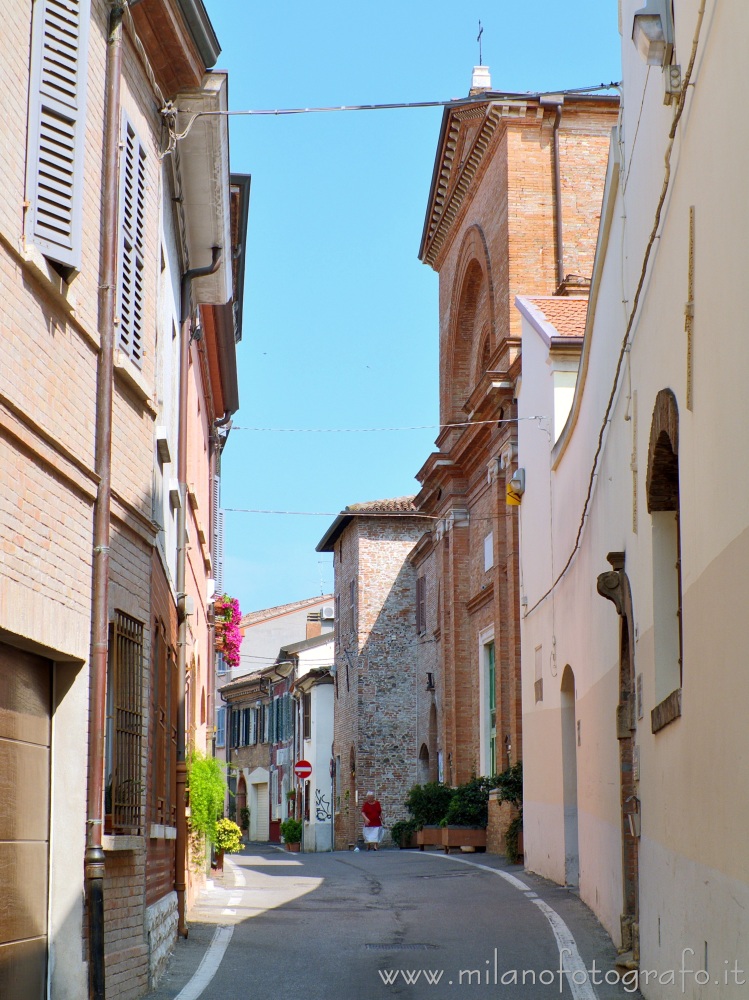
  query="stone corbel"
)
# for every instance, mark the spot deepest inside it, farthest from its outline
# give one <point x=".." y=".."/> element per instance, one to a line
<point x="509" y="455"/>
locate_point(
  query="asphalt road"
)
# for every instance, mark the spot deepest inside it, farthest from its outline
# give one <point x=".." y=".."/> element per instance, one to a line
<point x="386" y="926"/>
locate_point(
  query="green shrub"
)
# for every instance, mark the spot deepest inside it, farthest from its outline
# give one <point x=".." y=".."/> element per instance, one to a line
<point x="228" y="836"/>
<point x="402" y="831"/>
<point x="207" y="787"/>
<point x="512" y="839"/>
<point x="291" y="831"/>
<point x="429" y="803"/>
<point x="510" y="784"/>
<point x="469" y="805"/>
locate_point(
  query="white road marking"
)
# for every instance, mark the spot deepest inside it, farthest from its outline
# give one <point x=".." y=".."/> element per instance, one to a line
<point x="209" y="965"/>
<point x="569" y="957"/>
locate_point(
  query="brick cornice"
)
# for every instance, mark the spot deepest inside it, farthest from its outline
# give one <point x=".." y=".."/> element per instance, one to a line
<point x="479" y="600"/>
<point x="448" y="197"/>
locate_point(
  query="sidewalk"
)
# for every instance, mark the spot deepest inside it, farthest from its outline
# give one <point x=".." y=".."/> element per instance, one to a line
<point x="211" y="911"/>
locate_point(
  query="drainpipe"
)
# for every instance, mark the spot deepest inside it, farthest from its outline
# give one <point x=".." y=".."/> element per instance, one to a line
<point x="182" y="608"/>
<point x="94" y="857"/>
<point x="558" y="200"/>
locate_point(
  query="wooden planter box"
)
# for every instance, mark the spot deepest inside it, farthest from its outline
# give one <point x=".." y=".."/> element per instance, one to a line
<point x="429" y="836"/>
<point x="463" y="836"/>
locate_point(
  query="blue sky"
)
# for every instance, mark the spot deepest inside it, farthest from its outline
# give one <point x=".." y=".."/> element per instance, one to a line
<point x="340" y="316"/>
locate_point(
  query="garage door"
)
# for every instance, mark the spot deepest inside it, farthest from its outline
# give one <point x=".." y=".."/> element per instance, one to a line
<point x="25" y="709"/>
<point x="262" y="808"/>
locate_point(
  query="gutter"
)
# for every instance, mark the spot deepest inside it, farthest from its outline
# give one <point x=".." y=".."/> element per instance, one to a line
<point x="94" y="856"/>
<point x="558" y="100"/>
<point x="201" y="30"/>
<point x="183" y="609"/>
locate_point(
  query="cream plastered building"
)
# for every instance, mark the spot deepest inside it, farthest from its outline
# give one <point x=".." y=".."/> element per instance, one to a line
<point x="635" y="526"/>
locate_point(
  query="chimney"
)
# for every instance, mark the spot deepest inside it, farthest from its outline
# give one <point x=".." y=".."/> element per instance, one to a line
<point x="314" y="628"/>
<point x="481" y="80"/>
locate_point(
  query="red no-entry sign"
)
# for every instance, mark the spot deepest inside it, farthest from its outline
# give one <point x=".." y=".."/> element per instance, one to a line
<point x="302" y="769"/>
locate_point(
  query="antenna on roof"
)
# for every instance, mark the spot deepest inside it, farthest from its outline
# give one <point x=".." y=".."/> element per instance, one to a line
<point x="478" y="39"/>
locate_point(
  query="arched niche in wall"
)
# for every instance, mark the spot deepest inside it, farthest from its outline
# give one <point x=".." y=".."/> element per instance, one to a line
<point x="471" y="338"/>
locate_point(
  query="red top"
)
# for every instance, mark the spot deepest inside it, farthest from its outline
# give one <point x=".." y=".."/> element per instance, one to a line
<point x="372" y="813"/>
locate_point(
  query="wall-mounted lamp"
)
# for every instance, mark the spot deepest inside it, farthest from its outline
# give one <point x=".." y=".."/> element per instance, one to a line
<point x="517" y="483"/>
<point x="653" y="32"/>
<point x="196" y="333"/>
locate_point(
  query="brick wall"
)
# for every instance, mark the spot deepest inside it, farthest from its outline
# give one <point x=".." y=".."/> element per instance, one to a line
<point x="500" y="242"/>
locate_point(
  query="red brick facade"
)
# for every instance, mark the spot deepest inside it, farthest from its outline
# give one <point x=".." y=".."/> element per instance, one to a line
<point x="494" y="224"/>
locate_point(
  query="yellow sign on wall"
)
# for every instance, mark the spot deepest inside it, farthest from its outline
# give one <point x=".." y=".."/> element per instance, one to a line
<point x="512" y="499"/>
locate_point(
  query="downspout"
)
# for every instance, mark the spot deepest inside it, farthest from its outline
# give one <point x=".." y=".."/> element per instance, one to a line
<point x="94" y="857"/>
<point x="182" y="611"/>
<point x="559" y="234"/>
<point x="214" y="452"/>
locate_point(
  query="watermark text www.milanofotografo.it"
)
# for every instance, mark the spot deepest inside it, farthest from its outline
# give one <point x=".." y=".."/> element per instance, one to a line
<point x="631" y="979"/>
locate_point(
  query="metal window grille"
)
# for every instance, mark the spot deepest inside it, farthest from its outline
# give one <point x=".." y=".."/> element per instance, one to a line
<point x="126" y="657"/>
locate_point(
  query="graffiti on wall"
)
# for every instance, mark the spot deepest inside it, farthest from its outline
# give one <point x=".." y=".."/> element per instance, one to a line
<point x="322" y="807"/>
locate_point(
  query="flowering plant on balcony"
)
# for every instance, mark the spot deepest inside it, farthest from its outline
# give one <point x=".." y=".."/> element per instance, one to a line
<point x="228" y="636"/>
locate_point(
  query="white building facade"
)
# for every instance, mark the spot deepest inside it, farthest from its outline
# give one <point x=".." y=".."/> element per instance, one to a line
<point x="635" y="530"/>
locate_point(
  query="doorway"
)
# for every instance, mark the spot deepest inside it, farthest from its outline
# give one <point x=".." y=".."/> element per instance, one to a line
<point x="569" y="778"/>
<point x="25" y="735"/>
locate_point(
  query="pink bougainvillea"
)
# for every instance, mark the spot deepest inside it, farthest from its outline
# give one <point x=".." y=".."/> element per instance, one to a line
<point x="228" y="636"/>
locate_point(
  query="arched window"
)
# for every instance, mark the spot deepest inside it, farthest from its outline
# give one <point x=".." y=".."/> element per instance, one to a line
<point x="663" y="505"/>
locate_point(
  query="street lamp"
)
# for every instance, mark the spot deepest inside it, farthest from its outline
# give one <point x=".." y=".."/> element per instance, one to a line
<point x="653" y="32"/>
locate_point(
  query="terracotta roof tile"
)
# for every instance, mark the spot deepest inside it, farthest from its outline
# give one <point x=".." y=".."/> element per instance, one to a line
<point x="396" y="505"/>
<point x="567" y="315"/>
<point x="253" y="617"/>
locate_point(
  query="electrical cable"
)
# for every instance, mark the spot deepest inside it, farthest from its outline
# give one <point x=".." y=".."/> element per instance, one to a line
<point x="170" y="110"/>
<point x="380" y="430"/>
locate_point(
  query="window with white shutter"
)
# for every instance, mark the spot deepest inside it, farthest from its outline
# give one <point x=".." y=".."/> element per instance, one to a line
<point x="57" y="104"/>
<point x="253" y="726"/>
<point x="130" y="278"/>
<point x="221" y="727"/>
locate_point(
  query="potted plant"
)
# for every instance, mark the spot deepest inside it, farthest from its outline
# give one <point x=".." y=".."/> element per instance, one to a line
<point x="464" y="823"/>
<point x="228" y="840"/>
<point x="228" y="637"/>
<point x="291" y="831"/>
<point x="428" y="804"/>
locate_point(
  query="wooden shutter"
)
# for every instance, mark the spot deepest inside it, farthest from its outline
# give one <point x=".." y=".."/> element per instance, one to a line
<point x="130" y="290"/>
<point x="56" y="135"/>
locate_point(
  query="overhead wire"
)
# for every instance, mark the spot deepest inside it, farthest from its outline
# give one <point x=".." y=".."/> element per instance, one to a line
<point x="396" y="105"/>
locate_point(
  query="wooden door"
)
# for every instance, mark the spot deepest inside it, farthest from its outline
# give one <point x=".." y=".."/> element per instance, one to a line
<point x="25" y="728"/>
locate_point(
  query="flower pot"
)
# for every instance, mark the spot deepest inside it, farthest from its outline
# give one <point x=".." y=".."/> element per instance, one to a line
<point x="294" y="848"/>
<point x="463" y="836"/>
<point x="219" y="866"/>
<point x="429" y="836"/>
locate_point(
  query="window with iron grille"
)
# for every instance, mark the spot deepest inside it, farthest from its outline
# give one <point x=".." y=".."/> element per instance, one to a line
<point x="125" y="725"/>
<point x="163" y="751"/>
<point x="130" y="278"/>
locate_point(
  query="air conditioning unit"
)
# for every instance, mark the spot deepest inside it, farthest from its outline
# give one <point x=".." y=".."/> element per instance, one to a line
<point x="328" y="612"/>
